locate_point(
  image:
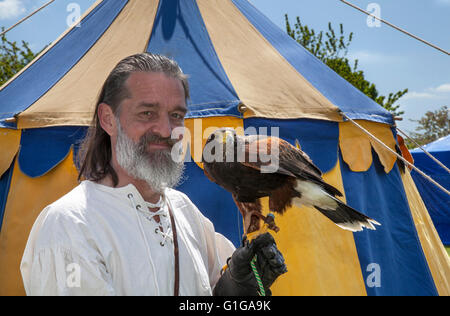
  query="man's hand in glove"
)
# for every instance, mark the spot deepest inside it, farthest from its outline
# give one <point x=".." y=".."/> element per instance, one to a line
<point x="239" y="279"/>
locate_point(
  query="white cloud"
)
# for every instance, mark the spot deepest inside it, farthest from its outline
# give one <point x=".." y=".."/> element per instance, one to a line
<point x="373" y="58"/>
<point x="439" y="92"/>
<point x="418" y="95"/>
<point x="443" y="88"/>
<point x="11" y="9"/>
<point x="365" y="56"/>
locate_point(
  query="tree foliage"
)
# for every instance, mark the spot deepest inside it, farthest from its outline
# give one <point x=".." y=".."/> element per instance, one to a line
<point x="13" y="58"/>
<point x="432" y="126"/>
<point x="332" y="49"/>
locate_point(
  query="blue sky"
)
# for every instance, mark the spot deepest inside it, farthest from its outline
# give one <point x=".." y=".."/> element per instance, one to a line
<point x="390" y="59"/>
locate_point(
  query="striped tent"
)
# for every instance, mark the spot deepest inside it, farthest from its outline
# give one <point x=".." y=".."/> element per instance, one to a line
<point x="244" y="73"/>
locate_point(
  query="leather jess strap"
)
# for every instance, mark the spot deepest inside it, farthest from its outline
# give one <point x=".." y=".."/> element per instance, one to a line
<point x="176" y="290"/>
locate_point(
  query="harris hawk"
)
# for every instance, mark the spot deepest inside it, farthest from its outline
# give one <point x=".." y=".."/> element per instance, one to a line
<point x="255" y="166"/>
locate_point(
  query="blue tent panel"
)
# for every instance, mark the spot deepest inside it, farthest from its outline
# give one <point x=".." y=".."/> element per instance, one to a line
<point x="18" y="95"/>
<point x="430" y="167"/>
<point x="183" y="37"/>
<point x="336" y="89"/>
<point x="5" y="181"/>
<point x="436" y="201"/>
<point x="394" y="248"/>
<point x="43" y="148"/>
<point x="319" y="139"/>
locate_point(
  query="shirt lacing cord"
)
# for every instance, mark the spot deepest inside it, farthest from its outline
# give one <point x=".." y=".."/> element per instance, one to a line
<point x="165" y="229"/>
<point x="162" y="213"/>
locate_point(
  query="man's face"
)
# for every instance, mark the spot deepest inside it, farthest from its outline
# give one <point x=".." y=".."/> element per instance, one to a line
<point x="157" y="106"/>
<point x="143" y="141"/>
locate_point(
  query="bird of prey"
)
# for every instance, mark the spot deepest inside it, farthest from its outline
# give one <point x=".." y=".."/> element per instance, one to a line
<point x="240" y="165"/>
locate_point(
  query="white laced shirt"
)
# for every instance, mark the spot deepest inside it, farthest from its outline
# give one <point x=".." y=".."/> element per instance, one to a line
<point x="99" y="240"/>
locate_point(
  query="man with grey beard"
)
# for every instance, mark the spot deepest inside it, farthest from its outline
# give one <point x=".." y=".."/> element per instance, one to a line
<point x="124" y="230"/>
<point x="158" y="168"/>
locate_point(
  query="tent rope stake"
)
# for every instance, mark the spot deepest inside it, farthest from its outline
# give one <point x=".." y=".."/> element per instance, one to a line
<point x="426" y="152"/>
<point x="399" y="156"/>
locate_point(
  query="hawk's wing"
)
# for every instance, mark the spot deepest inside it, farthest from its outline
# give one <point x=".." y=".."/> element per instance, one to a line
<point x="261" y="154"/>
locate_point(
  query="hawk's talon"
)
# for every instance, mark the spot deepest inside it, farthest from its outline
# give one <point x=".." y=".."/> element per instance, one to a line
<point x="269" y="223"/>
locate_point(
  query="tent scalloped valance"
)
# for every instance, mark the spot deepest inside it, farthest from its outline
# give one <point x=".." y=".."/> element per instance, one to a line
<point x="356" y="147"/>
<point x="42" y="149"/>
<point x="10" y="140"/>
<point x="39" y="154"/>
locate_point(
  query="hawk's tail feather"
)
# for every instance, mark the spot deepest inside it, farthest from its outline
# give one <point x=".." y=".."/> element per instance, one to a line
<point x="347" y="218"/>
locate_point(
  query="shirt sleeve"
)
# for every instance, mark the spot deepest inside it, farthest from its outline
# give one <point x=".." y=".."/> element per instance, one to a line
<point x="59" y="260"/>
<point x="57" y="271"/>
<point x="219" y="249"/>
<point x="225" y="248"/>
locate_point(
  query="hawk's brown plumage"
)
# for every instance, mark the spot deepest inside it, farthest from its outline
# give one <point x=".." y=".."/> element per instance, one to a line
<point x="251" y="167"/>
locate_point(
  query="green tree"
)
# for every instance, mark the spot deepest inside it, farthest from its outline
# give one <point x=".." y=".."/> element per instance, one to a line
<point x="432" y="126"/>
<point x="13" y="58"/>
<point x="332" y="48"/>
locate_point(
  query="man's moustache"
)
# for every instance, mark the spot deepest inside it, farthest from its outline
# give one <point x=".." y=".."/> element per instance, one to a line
<point x="156" y="139"/>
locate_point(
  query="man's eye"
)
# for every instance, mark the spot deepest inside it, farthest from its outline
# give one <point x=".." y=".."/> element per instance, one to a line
<point x="147" y="114"/>
<point x="178" y="116"/>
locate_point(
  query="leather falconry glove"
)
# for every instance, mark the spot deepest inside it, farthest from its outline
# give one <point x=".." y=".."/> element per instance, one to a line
<point x="239" y="280"/>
